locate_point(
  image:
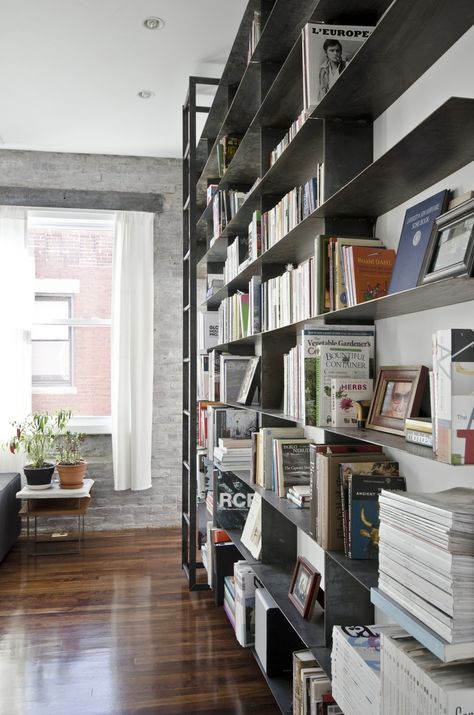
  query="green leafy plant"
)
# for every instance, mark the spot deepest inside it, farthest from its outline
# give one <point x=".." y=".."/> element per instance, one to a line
<point x="69" y="447"/>
<point x="36" y="436"/>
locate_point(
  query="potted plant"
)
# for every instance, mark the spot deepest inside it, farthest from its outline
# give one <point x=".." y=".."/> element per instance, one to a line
<point x="36" y="436"/>
<point x="70" y="464"/>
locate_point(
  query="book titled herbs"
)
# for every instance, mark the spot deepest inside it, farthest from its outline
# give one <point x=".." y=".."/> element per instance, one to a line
<point x="344" y="394"/>
<point x="348" y="362"/>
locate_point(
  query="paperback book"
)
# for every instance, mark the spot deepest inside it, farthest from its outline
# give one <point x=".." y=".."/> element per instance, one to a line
<point x="348" y="362"/>
<point x="344" y="394"/>
<point x="291" y="463"/>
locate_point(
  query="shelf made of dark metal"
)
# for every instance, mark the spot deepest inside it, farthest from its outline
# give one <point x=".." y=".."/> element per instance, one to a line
<point x="277" y="580"/>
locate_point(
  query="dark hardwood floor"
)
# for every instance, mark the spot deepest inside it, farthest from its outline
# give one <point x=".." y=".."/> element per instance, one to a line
<point x="115" y="631"/>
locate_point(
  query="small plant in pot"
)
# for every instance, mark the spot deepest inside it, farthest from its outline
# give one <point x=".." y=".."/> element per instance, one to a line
<point x="36" y="436"/>
<point x="70" y="464"/>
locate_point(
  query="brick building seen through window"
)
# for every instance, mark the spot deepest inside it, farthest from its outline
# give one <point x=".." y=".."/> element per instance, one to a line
<point x="71" y="337"/>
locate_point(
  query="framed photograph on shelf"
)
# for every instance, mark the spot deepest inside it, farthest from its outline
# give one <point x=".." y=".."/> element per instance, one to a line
<point x="397" y="395"/>
<point x="450" y="250"/>
<point x="232" y="371"/>
<point x="250" y="382"/>
<point x="304" y="587"/>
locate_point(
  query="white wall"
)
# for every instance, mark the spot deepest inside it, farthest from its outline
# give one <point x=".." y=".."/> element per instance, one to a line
<point x="407" y="339"/>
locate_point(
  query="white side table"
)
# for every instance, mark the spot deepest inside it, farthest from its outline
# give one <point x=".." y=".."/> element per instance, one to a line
<point x="55" y="502"/>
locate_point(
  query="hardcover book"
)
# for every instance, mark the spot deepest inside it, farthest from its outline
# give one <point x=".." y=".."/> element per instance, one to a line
<point x="330" y="534"/>
<point x="327" y="50"/>
<point x="368" y="272"/>
<point x="338" y="290"/>
<point x="363" y="497"/>
<point x="355" y="336"/>
<point x="416" y="231"/>
<point x="348" y="362"/>
<point x="454" y="398"/>
<point x="344" y="394"/>
<point x="346" y="470"/>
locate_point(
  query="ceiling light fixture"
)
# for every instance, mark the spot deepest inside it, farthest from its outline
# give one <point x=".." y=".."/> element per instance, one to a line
<point x="153" y="23"/>
<point x="146" y="94"/>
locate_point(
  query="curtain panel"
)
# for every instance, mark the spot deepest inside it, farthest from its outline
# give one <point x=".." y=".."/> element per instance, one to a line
<point x="132" y="350"/>
<point x="16" y="315"/>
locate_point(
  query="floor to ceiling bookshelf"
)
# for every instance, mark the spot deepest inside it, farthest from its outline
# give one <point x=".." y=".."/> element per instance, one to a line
<point x="259" y="100"/>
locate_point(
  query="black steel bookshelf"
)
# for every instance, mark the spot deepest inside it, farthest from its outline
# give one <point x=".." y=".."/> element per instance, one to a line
<point x="260" y="100"/>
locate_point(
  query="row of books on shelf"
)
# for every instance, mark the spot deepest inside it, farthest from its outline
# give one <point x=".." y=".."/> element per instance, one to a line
<point x="254" y="33"/>
<point x="288" y="138"/>
<point x="236" y="258"/>
<point x="328" y="381"/>
<point x="341" y="272"/>
<point x="225" y="205"/>
<point x="226" y="149"/>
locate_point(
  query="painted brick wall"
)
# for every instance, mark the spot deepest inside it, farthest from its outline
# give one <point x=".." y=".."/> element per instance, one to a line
<point x="160" y="505"/>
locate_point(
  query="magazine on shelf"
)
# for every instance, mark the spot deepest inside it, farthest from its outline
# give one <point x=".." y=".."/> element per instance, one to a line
<point x="327" y="50"/>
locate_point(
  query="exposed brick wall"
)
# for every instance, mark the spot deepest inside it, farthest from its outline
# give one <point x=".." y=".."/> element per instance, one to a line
<point x="160" y="505"/>
<point x="87" y="257"/>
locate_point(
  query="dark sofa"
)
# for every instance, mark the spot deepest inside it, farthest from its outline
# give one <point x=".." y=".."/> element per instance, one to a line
<point x="10" y="522"/>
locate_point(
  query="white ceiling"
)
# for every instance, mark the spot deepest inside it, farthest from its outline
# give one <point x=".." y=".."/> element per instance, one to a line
<point x="71" y="71"/>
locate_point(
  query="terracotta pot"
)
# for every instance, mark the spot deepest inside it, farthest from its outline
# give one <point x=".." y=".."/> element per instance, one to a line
<point x="71" y="476"/>
<point x="39" y="477"/>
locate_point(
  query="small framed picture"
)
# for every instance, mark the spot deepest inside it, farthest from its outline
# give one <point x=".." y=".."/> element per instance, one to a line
<point x="450" y="250"/>
<point x="304" y="587"/>
<point x="250" y="382"/>
<point x="398" y="393"/>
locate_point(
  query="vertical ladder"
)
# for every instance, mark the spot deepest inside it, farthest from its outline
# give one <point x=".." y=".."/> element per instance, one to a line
<point x="191" y="255"/>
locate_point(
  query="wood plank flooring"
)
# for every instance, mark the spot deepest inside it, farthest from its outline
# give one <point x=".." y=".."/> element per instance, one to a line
<point x="115" y="631"/>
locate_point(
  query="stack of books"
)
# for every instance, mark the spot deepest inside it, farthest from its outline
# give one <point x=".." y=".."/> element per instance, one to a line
<point x="415" y="682"/>
<point x="233" y="454"/>
<point x="300" y="494"/>
<point x="355" y="659"/>
<point x="426" y="560"/>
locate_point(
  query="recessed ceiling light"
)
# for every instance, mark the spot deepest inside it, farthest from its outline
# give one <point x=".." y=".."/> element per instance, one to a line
<point x="146" y="94"/>
<point x="153" y="23"/>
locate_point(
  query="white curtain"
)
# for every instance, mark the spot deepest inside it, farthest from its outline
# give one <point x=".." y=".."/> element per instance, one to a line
<point x="132" y="350"/>
<point x="16" y="313"/>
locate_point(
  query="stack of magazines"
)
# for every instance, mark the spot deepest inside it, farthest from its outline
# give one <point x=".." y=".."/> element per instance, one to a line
<point x="355" y="658"/>
<point x="426" y="560"/>
<point x="415" y="682"/>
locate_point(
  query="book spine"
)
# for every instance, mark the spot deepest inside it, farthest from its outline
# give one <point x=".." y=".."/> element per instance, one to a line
<point x="417" y="437"/>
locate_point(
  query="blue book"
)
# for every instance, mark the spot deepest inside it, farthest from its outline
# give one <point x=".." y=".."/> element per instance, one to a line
<point x="416" y="231"/>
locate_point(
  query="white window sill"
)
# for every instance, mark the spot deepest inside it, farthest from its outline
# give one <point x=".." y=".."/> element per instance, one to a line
<point x="57" y="390"/>
<point x="91" y="425"/>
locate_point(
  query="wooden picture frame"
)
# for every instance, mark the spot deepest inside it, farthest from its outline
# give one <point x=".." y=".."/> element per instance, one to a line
<point x="397" y="395"/>
<point x="249" y="382"/>
<point x="450" y="251"/>
<point x="304" y="587"/>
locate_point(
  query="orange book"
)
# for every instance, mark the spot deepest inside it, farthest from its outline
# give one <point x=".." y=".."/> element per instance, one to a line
<point x="369" y="270"/>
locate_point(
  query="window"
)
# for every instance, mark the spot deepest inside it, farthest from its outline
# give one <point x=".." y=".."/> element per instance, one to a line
<point x="71" y="335"/>
<point x="51" y="344"/>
